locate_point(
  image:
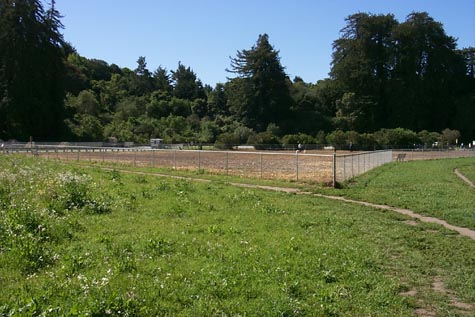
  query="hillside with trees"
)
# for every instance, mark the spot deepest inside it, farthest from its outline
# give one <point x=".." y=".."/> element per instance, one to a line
<point x="391" y="82"/>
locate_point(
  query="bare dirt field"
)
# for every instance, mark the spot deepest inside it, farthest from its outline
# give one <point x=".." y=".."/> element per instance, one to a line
<point x="311" y="166"/>
<point x="269" y="165"/>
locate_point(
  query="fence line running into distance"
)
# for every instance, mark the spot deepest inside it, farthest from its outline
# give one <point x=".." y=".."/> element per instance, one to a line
<point x="324" y="168"/>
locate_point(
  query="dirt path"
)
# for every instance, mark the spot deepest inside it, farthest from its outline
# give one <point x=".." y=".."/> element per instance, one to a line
<point x="462" y="177"/>
<point x="462" y="231"/>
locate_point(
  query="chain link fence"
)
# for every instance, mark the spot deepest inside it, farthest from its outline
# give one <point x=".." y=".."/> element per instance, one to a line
<point x="432" y="154"/>
<point x="351" y="165"/>
<point x="328" y="168"/>
<point x="259" y="164"/>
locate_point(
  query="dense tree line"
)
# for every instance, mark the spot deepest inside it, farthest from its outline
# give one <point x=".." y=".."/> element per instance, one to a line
<point x="407" y="75"/>
<point x="387" y="78"/>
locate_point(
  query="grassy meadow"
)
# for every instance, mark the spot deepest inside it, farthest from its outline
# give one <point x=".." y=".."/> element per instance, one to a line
<point x="468" y="171"/>
<point x="427" y="187"/>
<point x="79" y="241"/>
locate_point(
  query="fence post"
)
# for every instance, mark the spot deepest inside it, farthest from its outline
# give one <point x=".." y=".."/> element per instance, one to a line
<point x="174" y="159"/>
<point x="344" y="167"/>
<point x="352" y="166"/>
<point x="260" y="164"/>
<point x="357" y="172"/>
<point x="199" y="160"/>
<point x="227" y="162"/>
<point x="334" y="170"/>
<point x="297" y="164"/>
<point x="364" y="162"/>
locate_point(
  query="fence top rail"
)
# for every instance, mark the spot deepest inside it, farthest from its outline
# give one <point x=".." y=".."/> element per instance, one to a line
<point x="245" y="152"/>
<point x="23" y="147"/>
<point x="434" y="150"/>
<point x="364" y="153"/>
<point x="26" y="147"/>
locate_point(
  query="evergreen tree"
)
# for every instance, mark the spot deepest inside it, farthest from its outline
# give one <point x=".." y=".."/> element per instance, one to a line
<point x="217" y="101"/>
<point x="465" y="96"/>
<point x="31" y="71"/>
<point x="306" y="110"/>
<point x="426" y="74"/>
<point x="262" y="86"/>
<point x="186" y="85"/>
<point x="362" y="61"/>
<point x="143" y="82"/>
<point x="162" y="80"/>
<point x="396" y="74"/>
<point x="468" y="55"/>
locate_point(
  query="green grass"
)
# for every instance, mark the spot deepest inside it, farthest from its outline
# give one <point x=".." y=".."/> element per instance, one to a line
<point x="426" y="187"/>
<point x="84" y="241"/>
<point x="468" y="171"/>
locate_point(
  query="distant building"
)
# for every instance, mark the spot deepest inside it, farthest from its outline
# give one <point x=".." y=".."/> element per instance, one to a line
<point x="156" y="143"/>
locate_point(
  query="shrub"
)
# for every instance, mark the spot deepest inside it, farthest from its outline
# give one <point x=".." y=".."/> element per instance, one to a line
<point x="428" y="138"/>
<point x="320" y="138"/>
<point x="449" y="137"/>
<point x="367" y="142"/>
<point x="243" y="133"/>
<point x="398" y="137"/>
<point x="264" y="141"/>
<point x="227" y="141"/>
<point x="274" y="129"/>
<point x="337" y="138"/>
<point x="291" y="140"/>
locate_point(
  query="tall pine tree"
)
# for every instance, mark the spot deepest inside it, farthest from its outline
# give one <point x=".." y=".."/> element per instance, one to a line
<point x="362" y="61"/>
<point x="31" y="71"/>
<point x="396" y="74"/>
<point x="426" y="74"/>
<point x="261" y="91"/>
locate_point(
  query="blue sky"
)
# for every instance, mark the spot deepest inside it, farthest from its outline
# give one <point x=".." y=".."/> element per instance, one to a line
<point x="203" y="34"/>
